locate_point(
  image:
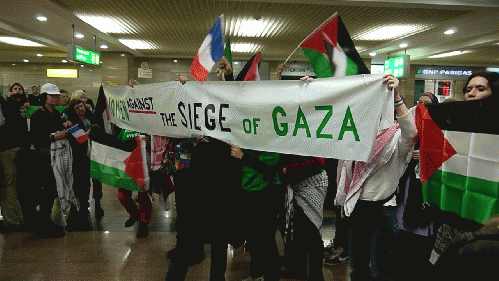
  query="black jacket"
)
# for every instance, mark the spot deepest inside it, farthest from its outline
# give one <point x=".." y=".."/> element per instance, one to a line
<point x="14" y="133"/>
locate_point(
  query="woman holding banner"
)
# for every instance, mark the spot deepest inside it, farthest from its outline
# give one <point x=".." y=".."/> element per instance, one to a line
<point x="366" y="192"/>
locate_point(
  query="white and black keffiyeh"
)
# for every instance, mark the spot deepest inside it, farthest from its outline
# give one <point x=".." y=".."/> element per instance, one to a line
<point x="309" y="195"/>
<point x="62" y="165"/>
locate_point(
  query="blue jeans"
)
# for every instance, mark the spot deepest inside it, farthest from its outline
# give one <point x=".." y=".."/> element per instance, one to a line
<point x="372" y="234"/>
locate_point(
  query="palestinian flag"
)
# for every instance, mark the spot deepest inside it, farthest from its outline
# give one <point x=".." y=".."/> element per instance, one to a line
<point x="117" y="163"/>
<point x="331" y="52"/>
<point x="459" y="157"/>
<point x="227" y="52"/>
<point x="250" y="70"/>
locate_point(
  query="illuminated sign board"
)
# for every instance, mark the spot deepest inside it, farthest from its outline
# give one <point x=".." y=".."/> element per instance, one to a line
<point x="458" y="72"/>
<point x="80" y="54"/>
<point x="62" y="73"/>
<point x="398" y="66"/>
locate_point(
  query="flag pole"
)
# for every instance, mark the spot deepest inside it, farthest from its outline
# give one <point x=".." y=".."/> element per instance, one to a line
<point x="291" y="54"/>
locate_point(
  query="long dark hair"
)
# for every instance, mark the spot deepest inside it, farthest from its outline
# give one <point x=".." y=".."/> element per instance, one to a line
<point x="72" y="116"/>
<point x="16" y="84"/>
<point x="492" y="79"/>
<point x="23" y="95"/>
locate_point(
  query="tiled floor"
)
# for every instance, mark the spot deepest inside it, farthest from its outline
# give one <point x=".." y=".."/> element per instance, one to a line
<point x="112" y="252"/>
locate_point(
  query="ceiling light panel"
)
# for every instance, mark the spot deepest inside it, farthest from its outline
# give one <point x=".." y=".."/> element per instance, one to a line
<point x="19" y="42"/>
<point x="388" y="32"/>
<point x="449" y="54"/>
<point x="244" y="47"/>
<point x="105" y="24"/>
<point x="136" y="44"/>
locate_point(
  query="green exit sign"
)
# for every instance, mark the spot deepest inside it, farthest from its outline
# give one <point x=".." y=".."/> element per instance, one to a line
<point x="79" y="54"/>
<point x="398" y="66"/>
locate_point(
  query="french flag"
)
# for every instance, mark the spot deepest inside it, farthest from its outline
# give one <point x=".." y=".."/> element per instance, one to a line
<point x="210" y="51"/>
<point x="78" y="133"/>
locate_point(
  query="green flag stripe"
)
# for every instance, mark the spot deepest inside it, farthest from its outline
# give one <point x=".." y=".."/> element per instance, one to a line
<point x="112" y="176"/>
<point x="471" y="198"/>
<point x="227" y="52"/>
<point x="319" y="63"/>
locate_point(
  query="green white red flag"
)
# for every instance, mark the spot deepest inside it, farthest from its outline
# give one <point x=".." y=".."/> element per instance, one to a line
<point x="331" y="51"/>
<point x="460" y="157"/>
<point x="117" y="163"/>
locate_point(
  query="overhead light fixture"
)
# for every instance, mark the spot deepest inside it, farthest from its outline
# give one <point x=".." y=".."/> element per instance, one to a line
<point x="135" y="44"/>
<point x="449" y="54"/>
<point x="252" y="28"/>
<point x="25" y="60"/>
<point x="103" y="46"/>
<point x="79" y="35"/>
<point x="105" y="24"/>
<point x="41" y="18"/>
<point x="372" y="54"/>
<point x="19" y="42"/>
<point x="122" y="55"/>
<point x="13" y="64"/>
<point x="244" y="47"/>
<point x="403" y="45"/>
<point x="64" y="61"/>
<point x="175" y="60"/>
<point x="449" y="32"/>
<point x="39" y="55"/>
<point x="82" y="65"/>
<point x="388" y="32"/>
<point x="236" y="62"/>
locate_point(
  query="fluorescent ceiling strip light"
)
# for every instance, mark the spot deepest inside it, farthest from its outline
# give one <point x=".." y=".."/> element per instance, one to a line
<point x="135" y="44"/>
<point x="105" y="24"/>
<point x="388" y="32"/>
<point x="449" y="54"/>
<point x="19" y="42"/>
<point x="252" y="28"/>
<point x="360" y="49"/>
<point x="243" y="47"/>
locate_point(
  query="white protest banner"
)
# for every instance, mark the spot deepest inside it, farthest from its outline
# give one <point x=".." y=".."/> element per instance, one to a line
<point x="331" y="117"/>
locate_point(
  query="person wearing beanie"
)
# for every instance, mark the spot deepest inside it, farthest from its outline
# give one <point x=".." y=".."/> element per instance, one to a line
<point x="47" y="127"/>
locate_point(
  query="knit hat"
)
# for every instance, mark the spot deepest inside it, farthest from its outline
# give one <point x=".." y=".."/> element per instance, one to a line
<point x="50" y="89"/>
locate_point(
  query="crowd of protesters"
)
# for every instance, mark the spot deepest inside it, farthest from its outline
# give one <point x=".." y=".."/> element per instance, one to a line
<point x="262" y="190"/>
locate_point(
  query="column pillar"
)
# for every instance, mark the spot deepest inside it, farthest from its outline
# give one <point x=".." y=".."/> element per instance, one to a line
<point x="116" y="68"/>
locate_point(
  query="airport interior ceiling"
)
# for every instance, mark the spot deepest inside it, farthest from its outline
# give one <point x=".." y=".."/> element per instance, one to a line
<point x="459" y="32"/>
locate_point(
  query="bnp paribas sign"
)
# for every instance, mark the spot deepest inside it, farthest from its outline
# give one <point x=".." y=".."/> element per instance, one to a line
<point x="79" y="54"/>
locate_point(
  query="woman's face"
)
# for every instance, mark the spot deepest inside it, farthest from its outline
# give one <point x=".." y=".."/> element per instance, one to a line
<point x="478" y="89"/>
<point x="80" y="109"/>
<point x="17" y="89"/>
